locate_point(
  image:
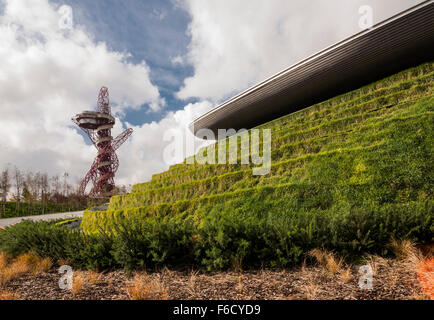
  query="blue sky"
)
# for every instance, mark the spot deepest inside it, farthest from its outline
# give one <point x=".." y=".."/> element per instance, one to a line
<point x="154" y="31"/>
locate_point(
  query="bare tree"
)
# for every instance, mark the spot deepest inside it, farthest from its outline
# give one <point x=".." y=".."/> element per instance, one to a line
<point x="44" y="190"/>
<point x="38" y="193"/>
<point x="19" y="182"/>
<point x="56" y="184"/>
<point x="29" y="190"/>
<point x="37" y="186"/>
<point x="65" y="184"/>
<point x="5" y="184"/>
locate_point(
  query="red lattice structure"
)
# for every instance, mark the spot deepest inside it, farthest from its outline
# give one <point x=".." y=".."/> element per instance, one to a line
<point x="97" y="125"/>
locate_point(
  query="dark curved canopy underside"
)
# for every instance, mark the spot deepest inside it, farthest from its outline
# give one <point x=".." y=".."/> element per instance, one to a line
<point x="400" y="42"/>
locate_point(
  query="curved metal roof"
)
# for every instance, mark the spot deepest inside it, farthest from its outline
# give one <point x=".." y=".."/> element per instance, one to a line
<point x="401" y="41"/>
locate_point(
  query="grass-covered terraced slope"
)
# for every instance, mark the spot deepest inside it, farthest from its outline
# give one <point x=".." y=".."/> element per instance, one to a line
<point x="348" y="172"/>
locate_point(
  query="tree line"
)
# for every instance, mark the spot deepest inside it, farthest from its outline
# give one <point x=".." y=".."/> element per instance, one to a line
<point x="29" y="193"/>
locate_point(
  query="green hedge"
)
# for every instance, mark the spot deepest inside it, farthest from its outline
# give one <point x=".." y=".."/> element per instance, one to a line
<point x="254" y="233"/>
<point x="31" y="209"/>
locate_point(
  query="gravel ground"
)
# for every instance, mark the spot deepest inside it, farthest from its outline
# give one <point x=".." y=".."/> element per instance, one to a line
<point x="392" y="280"/>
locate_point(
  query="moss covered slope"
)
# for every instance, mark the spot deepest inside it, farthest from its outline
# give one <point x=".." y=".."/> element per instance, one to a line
<point x="357" y="164"/>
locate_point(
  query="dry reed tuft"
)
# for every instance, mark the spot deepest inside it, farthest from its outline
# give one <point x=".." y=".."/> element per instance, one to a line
<point x="375" y="262"/>
<point x="142" y="287"/>
<point x="402" y="248"/>
<point x="24" y="263"/>
<point x="407" y="251"/>
<point x="327" y="259"/>
<point x="3" y="260"/>
<point x="192" y="282"/>
<point x="42" y="266"/>
<point x="63" y="262"/>
<point x="78" y="283"/>
<point x="8" y="295"/>
<point x="311" y="288"/>
<point x="11" y="269"/>
<point x="345" y="274"/>
<point x="93" y="277"/>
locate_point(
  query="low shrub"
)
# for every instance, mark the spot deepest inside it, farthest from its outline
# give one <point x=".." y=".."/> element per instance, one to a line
<point x="240" y="233"/>
<point x="48" y="240"/>
<point x="155" y="241"/>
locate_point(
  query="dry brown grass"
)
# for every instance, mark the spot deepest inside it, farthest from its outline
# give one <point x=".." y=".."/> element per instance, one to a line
<point x="376" y="263"/>
<point x="3" y="261"/>
<point x="42" y="266"/>
<point x="6" y="275"/>
<point x="345" y="274"/>
<point x="8" y="295"/>
<point x="30" y="263"/>
<point x="427" y="249"/>
<point x="23" y="264"/>
<point x="303" y="267"/>
<point x="63" y="262"/>
<point x="311" y="289"/>
<point x="240" y="284"/>
<point x="327" y="259"/>
<point x="402" y="248"/>
<point x="143" y="287"/>
<point x="93" y="277"/>
<point x="78" y="283"/>
<point x="407" y="251"/>
<point x="192" y="282"/>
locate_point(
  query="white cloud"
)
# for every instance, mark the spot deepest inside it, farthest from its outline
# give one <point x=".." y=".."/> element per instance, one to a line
<point x="142" y="155"/>
<point x="177" y="60"/>
<point x="238" y="43"/>
<point x="47" y="75"/>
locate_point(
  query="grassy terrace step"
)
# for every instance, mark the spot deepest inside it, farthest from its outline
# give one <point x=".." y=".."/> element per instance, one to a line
<point x="209" y="186"/>
<point x="294" y="198"/>
<point x="368" y="103"/>
<point x="374" y="136"/>
<point x="371" y="101"/>
<point x="317" y="147"/>
<point x="398" y="82"/>
<point x="309" y="141"/>
<point x="366" y="133"/>
<point x="369" y="148"/>
<point x="389" y="96"/>
<point x="359" y="113"/>
<point x="324" y="129"/>
<point x="292" y="153"/>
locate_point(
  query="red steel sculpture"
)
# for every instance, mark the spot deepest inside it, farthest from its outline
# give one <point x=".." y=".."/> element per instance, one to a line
<point x="97" y="125"/>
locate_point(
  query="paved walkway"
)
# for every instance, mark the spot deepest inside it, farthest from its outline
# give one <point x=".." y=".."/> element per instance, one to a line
<point x="66" y="215"/>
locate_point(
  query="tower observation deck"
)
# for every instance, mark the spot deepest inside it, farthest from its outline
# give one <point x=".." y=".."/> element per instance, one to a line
<point x="98" y="125"/>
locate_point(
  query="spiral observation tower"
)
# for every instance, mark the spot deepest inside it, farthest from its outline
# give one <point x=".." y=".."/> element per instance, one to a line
<point x="98" y="125"/>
